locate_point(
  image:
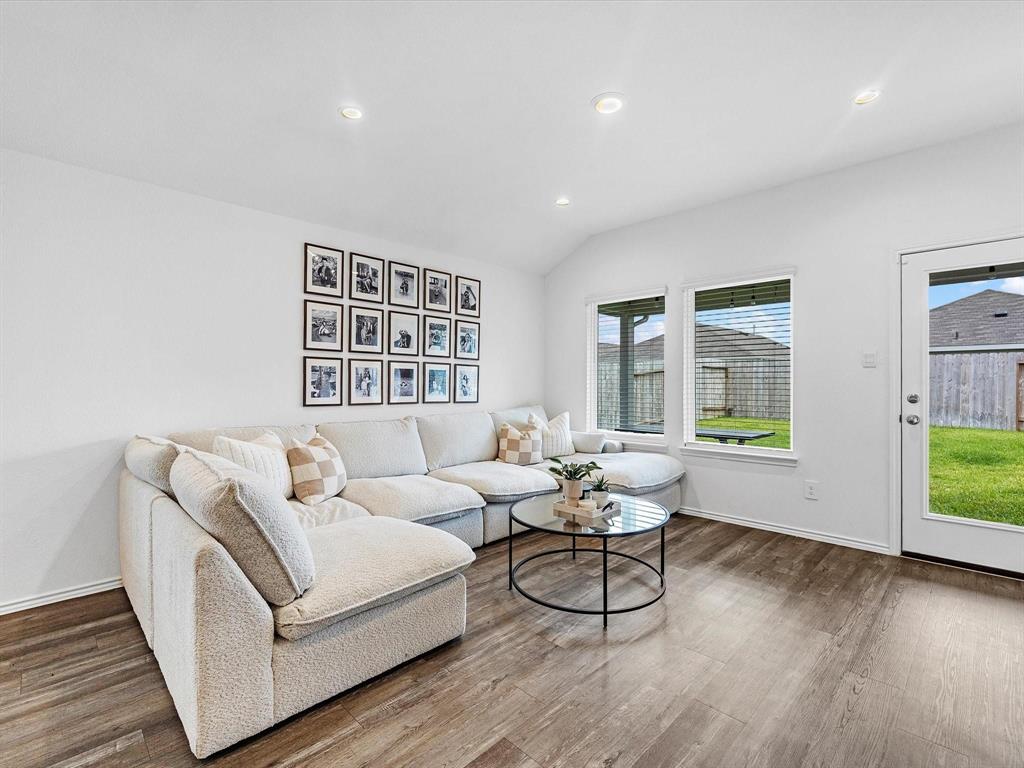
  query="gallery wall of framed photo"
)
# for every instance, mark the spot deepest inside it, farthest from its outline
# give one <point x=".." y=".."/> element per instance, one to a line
<point x="381" y="332"/>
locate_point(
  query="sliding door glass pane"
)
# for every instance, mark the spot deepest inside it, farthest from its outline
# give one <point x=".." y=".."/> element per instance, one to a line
<point x="631" y="366"/>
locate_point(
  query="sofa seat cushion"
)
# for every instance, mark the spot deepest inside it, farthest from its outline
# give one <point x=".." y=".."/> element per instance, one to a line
<point x="334" y="510"/>
<point x="499" y="482"/>
<point x="367" y="562"/>
<point x="417" y="498"/>
<point x="632" y="471"/>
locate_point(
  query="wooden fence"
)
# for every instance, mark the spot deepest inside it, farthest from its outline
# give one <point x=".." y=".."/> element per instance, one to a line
<point x="977" y="389"/>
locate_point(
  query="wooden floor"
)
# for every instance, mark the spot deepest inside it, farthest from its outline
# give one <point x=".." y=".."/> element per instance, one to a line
<point x="767" y="651"/>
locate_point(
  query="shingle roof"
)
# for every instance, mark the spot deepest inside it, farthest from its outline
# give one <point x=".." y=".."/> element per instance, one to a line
<point x="986" y="318"/>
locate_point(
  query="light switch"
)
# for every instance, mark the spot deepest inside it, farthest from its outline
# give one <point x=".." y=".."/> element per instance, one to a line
<point x="869" y="360"/>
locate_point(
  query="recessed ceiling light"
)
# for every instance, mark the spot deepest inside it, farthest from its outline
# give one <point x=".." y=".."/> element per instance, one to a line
<point x="351" y="113"/>
<point x="608" y="103"/>
<point x="866" y="97"/>
<point x="562" y="202"/>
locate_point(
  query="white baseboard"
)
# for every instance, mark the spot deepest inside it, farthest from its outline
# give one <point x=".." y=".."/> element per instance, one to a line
<point x="828" y="538"/>
<point x="60" y="594"/>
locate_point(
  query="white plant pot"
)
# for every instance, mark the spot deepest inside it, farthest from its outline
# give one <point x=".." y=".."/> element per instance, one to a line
<point x="573" y="490"/>
<point x="600" y="498"/>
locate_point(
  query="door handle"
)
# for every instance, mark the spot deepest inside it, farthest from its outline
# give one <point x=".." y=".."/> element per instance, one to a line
<point x="913" y="420"/>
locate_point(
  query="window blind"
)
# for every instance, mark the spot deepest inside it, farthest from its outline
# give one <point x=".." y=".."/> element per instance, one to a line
<point x="630" y="369"/>
<point x="743" y="364"/>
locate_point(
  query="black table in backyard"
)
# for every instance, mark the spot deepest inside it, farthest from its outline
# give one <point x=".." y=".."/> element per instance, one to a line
<point x="635" y="516"/>
<point x="741" y="436"/>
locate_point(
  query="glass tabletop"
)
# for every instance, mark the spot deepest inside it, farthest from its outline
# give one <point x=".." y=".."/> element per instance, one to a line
<point x="635" y="515"/>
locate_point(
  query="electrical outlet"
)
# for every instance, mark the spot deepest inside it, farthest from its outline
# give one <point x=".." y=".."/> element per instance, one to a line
<point x="811" y="490"/>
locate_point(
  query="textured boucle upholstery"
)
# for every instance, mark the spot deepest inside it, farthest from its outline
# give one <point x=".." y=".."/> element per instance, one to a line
<point x="497" y="481"/>
<point x="333" y="510"/>
<point x="377" y="448"/>
<point x="250" y="517"/>
<point x="367" y="562"/>
<point x="150" y="459"/>
<point x="468" y="527"/>
<point x="418" y="498"/>
<point x="496" y="522"/>
<point x="518" y="417"/>
<point x="135" y="500"/>
<point x="363" y="646"/>
<point x="457" y="438"/>
<point x="202" y="439"/>
<point x="639" y="472"/>
<point x="589" y="442"/>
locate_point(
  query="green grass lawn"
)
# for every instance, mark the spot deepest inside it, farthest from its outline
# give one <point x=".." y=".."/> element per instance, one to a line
<point x="779" y="440"/>
<point x="977" y="473"/>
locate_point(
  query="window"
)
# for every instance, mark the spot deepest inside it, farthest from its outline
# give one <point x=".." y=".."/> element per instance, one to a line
<point x="628" y="366"/>
<point x="741" y="364"/>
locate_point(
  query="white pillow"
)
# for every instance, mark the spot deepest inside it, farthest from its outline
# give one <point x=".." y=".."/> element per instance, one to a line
<point x="555" y="434"/>
<point x="266" y="456"/>
<point x="588" y="442"/>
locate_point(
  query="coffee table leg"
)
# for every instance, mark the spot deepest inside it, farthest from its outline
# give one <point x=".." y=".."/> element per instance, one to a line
<point x="663" y="550"/>
<point x="510" y="548"/>
<point x="574" y="547"/>
<point x="604" y="570"/>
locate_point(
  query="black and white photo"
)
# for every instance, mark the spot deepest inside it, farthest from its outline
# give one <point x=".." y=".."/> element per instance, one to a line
<point x="467" y="384"/>
<point x="437" y="332"/>
<point x="403" y="382"/>
<point x="467" y="296"/>
<point x="437" y="290"/>
<point x="364" y="377"/>
<point x="365" y="330"/>
<point x="437" y="382"/>
<point x="321" y="381"/>
<point x="467" y="340"/>
<point x="324" y="270"/>
<point x="403" y="334"/>
<point x="404" y="284"/>
<point x="366" y="281"/>
<point x="322" y="325"/>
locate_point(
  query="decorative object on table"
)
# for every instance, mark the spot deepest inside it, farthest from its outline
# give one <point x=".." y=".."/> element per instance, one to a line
<point x="365" y="330"/>
<point x="403" y="382"/>
<point x="403" y="333"/>
<point x="322" y="325"/>
<point x="467" y="340"/>
<point x="403" y="284"/>
<point x="467" y="383"/>
<point x="437" y="382"/>
<point x="366" y="281"/>
<point x="515" y="447"/>
<point x="599" y="490"/>
<point x="437" y="290"/>
<point x="437" y="336"/>
<point x="589" y="516"/>
<point x="324" y="270"/>
<point x="364" y="380"/>
<point x="556" y="433"/>
<point x="467" y="296"/>
<point x="321" y="381"/>
<point x="573" y="475"/>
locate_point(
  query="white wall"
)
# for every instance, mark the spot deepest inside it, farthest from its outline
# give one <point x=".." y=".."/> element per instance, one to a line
<point x="842" y="231"/>
<point x="127" y="308"/>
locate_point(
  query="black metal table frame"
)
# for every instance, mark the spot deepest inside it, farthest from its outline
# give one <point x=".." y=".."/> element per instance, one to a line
<point x="604" y="551"/>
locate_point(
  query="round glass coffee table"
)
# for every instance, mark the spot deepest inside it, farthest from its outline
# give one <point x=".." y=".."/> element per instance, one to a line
<point x="635" y="517"/>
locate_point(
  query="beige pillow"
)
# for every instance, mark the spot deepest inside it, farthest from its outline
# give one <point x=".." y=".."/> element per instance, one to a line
<point x="515" y="447"/>
<point x="265" y="456"/>
<point x="150" y="459"/>
<point x="555" y="434"/>
<point x="318" y="472"/>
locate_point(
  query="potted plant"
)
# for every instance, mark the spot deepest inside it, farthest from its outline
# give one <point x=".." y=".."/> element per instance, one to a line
<point x="599" y="490"/>
<point x="572" y="476"/>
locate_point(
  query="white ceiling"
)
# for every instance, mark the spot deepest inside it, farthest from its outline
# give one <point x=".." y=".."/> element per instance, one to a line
<point x="477" y="114"/>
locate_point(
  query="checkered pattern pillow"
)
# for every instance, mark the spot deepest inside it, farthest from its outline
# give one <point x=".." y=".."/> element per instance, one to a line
<point x="318" y="473"/>
<point x="515" y="447"/>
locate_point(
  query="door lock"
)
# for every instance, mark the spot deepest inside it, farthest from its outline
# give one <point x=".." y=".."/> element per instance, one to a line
<point x="913" y="398"/>
<point x="913" y="420"/>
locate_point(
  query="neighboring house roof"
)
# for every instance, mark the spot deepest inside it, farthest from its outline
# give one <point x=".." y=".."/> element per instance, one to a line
<point x="725" y="343"/>
<point x="987" y="318"/>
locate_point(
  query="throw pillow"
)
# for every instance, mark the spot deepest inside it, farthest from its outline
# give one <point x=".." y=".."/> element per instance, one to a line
<point x="318" y="472"/>
<point x="515" y="447"/>
<point x="555" y="434"/>
<point x="588" y="442"/>
<point x="265" y="456"/>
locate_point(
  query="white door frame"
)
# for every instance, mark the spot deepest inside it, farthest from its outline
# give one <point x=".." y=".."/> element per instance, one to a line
<point x="896" y="376"/>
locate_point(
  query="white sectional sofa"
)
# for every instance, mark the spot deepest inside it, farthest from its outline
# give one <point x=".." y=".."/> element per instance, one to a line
<point x="388" y="554"/>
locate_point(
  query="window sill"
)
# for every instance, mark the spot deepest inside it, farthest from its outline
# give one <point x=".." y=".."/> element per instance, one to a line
<point x="750" y="456"/>
<point x="652" y="440"/>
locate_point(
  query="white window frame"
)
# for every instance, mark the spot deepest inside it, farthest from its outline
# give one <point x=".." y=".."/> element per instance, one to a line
<point x="747" y="453"/>
<point x="592" y="303"/>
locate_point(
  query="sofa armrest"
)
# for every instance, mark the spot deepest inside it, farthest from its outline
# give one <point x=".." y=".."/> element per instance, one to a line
<point x="213" y="634"/>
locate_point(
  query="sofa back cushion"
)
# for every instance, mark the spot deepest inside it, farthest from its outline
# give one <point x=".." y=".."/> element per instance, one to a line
<point x="202" y="439"/>
<point x="385" y="448"/>
<point x="518" y="417"/>
<point x="150" y="459"/>
<point x="457" y="438"/>
<point x="251" y="519"/>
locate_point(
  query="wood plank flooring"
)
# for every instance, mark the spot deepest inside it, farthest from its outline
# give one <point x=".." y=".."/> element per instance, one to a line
<point x="767" y="651"/>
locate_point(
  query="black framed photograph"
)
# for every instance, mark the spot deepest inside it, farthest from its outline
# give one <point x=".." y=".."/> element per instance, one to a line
<point x="321" y="380"/>
<point x="467" y="340"/>
<point x="365" y="330"/>
<point x="467" y="296"/>
<point x="403" y="333"/>
<point x="403" y="382"/>
<point x="467" y="383"/>
<point x="437" y="384"/>
<point x="437" y="336"/>
<point x="437" y="290"/>
<point x="325" y="269"/>
<point x="403" y="285"/>
<point x="366" y="281"/>
<point x="364" y="382"/>
<point x="322" y="325"/>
